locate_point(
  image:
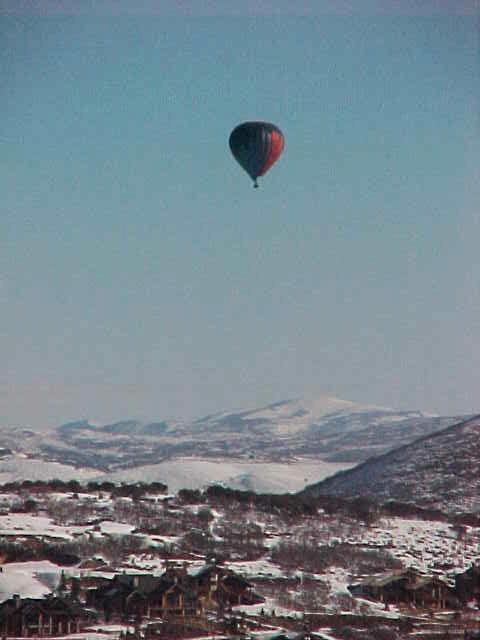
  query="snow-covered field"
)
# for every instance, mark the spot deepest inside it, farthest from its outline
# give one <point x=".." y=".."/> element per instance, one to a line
<point x="261" y="477"/>
<point x="185" y="472"/>
<point x="21" y="524"/>
<point x="19" y="467"/>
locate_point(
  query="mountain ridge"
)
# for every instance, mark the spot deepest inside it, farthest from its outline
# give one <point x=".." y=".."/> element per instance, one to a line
<point x="323" y="430"/>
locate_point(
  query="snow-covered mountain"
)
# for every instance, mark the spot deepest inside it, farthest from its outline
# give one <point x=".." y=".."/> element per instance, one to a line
<point x="322" y="432"/>
<point x="441" y="471"/>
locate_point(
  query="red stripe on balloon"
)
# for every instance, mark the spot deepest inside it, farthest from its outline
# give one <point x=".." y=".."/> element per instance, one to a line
<point x="277" y="143"/>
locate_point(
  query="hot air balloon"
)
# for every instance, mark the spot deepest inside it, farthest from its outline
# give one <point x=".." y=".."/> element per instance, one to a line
<point x="256" y="146"/>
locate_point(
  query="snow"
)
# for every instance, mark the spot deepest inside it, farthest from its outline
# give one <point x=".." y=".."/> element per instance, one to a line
<point x="116" y="528"/>
<point x="421" y="544"/>
<point x="269" y="607"/>
<point x="28" y="579"/>
<point x="19" y="467"/>
<point x="261" y="477"/>
<point x="16" y="524"/>
<point x="337" y="579"/>
<point x="378" y="608"/>
<point x="317" y="406"/>
<point x="256" y="569"/>
<point x="298" y="414"/>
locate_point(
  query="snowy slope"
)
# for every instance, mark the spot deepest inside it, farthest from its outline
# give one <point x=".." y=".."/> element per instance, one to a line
<point x="261" y="477"/>
<point x="441" y="471"/>
<point x="18" y="467"/>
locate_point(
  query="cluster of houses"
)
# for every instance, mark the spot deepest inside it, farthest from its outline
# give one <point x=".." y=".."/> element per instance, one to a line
<point x="176" y="596"/>
<point x="177" y="593"/>
<point x="411" y="588"/>
<point x="192" y="597"/>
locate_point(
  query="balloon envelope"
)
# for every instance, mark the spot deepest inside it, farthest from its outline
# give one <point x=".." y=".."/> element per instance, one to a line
<point x="256" y="146"/>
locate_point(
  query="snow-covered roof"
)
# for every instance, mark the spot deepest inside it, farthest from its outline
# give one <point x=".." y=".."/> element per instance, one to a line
<point x="33" y="579"/>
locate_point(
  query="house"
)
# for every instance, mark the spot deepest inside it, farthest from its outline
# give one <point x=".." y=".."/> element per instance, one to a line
<point x="174" y="599"/>
<point x="467" y="584"/>
<point x="85" y="583"/>
<point x="235" y="590"/>
<point x="138" y="596"/>
<point x="219" y="587"/>
<point x="177" y="593"/>
<point x="47" y="617"/>
<point x="407" y="587"/>
<point x="109" y="598"/>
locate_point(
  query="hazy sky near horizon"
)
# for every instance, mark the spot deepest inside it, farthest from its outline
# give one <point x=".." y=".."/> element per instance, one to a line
<point x="140" y="273"/>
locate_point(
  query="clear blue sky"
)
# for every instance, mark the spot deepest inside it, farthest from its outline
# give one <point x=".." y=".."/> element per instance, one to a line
<point x="140" y="273"/>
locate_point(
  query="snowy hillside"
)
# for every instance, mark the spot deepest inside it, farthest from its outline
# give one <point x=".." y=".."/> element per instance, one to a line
<point x="440" y="471"/>
<point x="18" y="467"/>
<point x="261" y="477"/>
